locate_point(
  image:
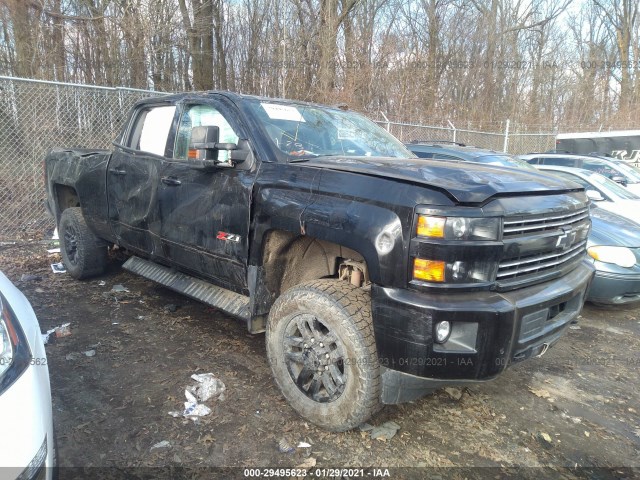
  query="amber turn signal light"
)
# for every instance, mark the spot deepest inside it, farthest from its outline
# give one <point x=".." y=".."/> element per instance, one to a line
<point x="428" y="270"/>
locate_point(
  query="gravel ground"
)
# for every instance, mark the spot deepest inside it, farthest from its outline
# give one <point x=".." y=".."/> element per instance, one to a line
<point x="572" y="413"/>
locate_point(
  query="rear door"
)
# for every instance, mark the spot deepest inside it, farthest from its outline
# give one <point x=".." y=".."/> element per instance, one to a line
<point x="204" y="215"/>
<point x="132" y="177"/>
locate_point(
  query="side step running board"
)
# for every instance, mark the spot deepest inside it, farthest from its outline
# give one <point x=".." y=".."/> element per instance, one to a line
<point x="231" y="302"/>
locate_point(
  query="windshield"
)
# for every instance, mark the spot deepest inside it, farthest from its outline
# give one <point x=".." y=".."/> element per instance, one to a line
<point x="611" y="186"/>
<point x="313" y="131"/>
<point x="504" y="161"/>
<point x="631" y="173"/>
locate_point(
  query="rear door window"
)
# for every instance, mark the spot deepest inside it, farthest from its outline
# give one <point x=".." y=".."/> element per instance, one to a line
<point x="151" y="130"/>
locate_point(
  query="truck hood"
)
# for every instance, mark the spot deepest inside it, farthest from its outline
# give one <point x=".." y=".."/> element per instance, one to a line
<point x="466" y="182"/>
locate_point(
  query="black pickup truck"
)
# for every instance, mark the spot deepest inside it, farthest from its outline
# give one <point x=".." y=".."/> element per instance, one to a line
<point x="377" y="276"/>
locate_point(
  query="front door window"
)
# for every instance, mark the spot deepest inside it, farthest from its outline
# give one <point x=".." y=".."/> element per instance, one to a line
<point x="202" y="116"/>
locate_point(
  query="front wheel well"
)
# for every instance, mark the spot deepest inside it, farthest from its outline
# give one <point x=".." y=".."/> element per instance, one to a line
<point x="289" y="260"/>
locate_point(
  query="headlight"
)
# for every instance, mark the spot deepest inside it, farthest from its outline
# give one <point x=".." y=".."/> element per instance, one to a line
<point x="437" y="271"/>
<point x="622" y="256"/>
<point x="8" y="341"/>
<point x="458" y="228"/>
<point x="14" y="352"/>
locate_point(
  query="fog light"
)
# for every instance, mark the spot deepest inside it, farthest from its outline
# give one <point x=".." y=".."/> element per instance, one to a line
<point x="443" y="330"/>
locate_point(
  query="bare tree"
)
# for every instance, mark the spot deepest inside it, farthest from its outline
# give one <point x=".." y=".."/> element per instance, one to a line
<point x="622" y="17"/>
<point x="474" y="62"/>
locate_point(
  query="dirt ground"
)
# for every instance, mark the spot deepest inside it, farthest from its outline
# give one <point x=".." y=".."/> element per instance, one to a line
<point x="572" y="413"/>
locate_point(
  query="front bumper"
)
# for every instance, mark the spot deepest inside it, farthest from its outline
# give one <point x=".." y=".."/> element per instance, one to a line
<point x="490" y="331"/>
<point x="614" y="288"/>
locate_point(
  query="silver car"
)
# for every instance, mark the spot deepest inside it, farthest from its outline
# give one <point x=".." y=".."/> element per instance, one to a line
<point x="613" y="169"/>
<point x="606" y="193"/>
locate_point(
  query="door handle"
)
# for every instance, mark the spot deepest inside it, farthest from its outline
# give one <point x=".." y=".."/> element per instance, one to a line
<point x="171" y="181"/>
<point x="116" y="171"/>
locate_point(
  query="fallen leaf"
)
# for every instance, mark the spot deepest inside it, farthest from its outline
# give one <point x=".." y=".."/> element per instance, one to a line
<point x="308" y="463"/>
<point x="545" y="439"/>
<point x="385" y="432"/>
<point x="453" y="392"/>
<point x="540" y="392"/>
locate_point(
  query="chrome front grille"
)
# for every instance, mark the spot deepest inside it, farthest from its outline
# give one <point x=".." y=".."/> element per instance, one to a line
<point x="537" y="246"/>
<point x="527" y="225"/>
<point x="541" y="262"/>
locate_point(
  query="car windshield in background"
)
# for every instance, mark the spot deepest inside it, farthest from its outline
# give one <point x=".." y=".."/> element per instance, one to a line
<point x="504" y="161"/>
<point x="615" y="188"/>
<point x="631" y="173"/>
<point x="305" y="131"/>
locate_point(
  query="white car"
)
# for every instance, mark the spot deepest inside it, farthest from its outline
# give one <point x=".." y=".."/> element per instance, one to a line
<point x="612" y="168"/>
<point x="607" y="194"/>
<point x="26" y="441"/>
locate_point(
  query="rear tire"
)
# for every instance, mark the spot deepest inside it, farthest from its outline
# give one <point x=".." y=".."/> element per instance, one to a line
<point x="84" y="255"/>
<point x="322" y="352"/>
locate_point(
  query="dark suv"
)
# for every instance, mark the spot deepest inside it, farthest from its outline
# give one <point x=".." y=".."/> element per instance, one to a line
<point x="459" y="151"/>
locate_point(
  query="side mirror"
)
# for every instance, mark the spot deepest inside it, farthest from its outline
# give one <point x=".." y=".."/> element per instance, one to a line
<point x="204" y="147"/>
<point x="595" y="195"/>
<point x="619" y="179"/>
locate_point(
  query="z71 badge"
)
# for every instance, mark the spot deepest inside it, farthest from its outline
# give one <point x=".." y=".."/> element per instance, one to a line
<point x="228" y="237"/>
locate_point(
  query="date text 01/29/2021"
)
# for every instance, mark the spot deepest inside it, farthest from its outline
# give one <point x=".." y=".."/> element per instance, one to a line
<point x="316" y="472"/>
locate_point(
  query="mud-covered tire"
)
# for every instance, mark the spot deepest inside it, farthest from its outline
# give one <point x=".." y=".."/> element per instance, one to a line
<point x="309" y="322"/>
<point x="84" y="255"/>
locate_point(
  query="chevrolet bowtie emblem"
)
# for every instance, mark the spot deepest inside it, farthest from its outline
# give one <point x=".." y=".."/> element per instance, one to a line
<point x="566" y="239"/>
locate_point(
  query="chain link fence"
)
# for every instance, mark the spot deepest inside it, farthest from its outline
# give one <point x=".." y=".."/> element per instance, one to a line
<point x="514" y="143"/>
<point x="36" y="116"/>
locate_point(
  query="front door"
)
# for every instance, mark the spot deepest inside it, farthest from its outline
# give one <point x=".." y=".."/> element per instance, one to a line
<point x="204" y="215"/>
<point x="132" y="176"/>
